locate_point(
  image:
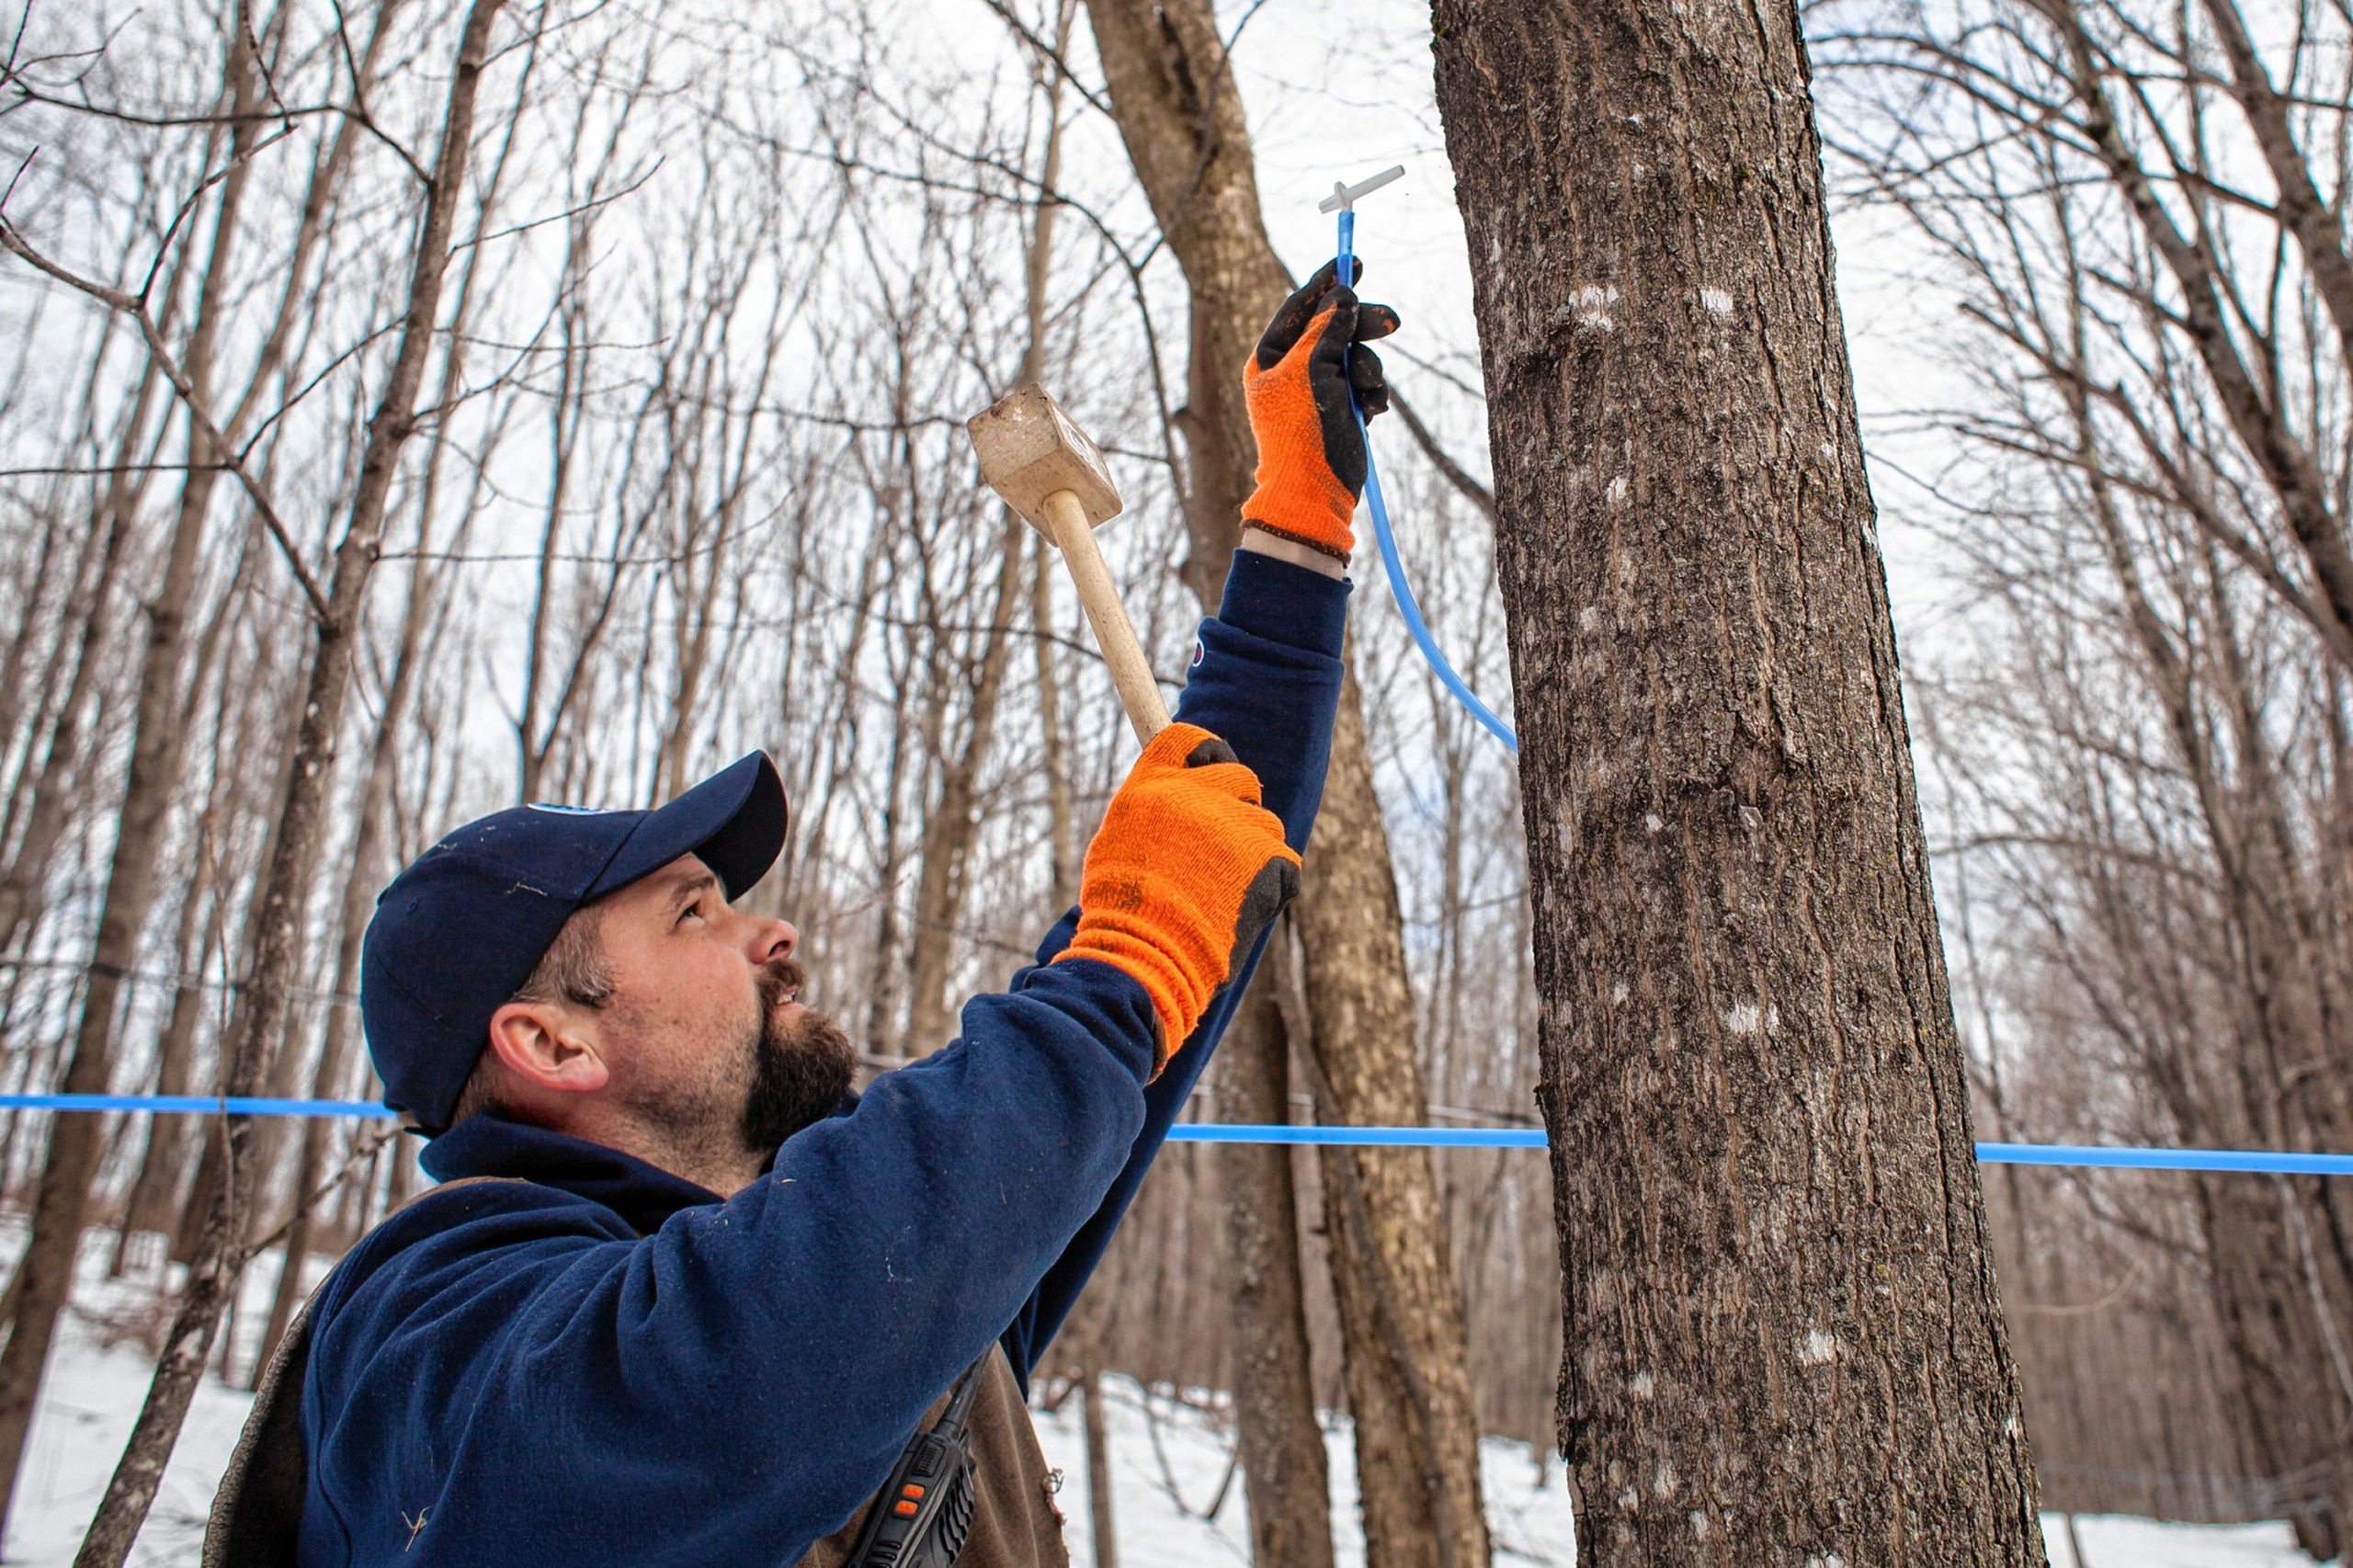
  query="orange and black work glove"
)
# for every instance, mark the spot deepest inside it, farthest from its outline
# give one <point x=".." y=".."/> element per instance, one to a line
<point x="1310" y="455"/>
<point x="1185" y="871"/>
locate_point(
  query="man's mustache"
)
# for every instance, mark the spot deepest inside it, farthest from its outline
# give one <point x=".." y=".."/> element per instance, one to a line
<point x="780" y="978"/>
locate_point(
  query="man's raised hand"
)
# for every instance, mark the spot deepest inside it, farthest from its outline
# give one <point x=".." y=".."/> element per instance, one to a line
<point x="1185" y="871"/>
<point x="1310" y="455"/>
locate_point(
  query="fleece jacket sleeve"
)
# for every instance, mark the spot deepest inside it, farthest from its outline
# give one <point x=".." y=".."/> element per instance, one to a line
<point x="1266" y="678"/>
<point x="550" y="1387"/>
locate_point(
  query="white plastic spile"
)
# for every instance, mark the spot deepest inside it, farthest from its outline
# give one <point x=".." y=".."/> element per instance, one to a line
<point x="1345" y="197"/>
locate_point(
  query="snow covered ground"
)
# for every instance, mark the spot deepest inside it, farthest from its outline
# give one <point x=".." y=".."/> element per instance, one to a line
<point x="1169" y="1462"/>
<point x="1155" y="1510"/>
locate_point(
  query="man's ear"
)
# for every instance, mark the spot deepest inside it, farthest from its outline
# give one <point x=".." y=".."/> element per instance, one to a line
<point x="549" y="1046"/>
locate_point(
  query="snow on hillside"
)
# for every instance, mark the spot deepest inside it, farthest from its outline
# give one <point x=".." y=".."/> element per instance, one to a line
<point x="1169" y="1462"/>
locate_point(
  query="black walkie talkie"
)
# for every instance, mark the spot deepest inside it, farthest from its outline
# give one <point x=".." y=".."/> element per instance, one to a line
<point x="924" y="1512"/>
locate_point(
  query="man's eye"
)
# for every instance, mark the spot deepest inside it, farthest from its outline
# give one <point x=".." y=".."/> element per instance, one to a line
<point x="694" y="909"/>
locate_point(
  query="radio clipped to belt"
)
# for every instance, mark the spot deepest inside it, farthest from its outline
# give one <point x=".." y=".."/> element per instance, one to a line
<point x="923" y="1513"/>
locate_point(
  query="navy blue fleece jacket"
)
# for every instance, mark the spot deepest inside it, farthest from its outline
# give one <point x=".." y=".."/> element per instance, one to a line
<point x="608" y="1364"/>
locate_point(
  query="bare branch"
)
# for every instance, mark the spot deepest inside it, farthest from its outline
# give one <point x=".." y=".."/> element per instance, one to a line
<point x="193" y="400"/>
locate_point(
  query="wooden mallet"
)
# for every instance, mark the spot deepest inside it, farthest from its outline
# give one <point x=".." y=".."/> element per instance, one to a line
<point x="1046" y="470"/>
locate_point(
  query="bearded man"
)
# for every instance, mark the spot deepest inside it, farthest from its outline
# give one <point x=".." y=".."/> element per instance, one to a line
<point x="682" y="1297"/>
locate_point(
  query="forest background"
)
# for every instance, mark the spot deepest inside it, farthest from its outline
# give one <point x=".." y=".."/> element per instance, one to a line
<point x="671" y="466"/>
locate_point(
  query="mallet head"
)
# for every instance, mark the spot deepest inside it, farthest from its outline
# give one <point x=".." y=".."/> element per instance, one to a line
<point x="1030" y="449"/>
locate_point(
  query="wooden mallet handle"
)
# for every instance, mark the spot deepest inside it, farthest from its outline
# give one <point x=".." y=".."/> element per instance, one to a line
<point x="1130" y="672"/>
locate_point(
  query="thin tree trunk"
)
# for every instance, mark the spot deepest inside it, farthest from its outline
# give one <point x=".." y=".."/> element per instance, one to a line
<point x="359" y="889"/>
<point x="1782" y="1334"/>
<point x="283" y="729"/>
<point x="2272" y="1324"/>
<point x="950" y="830"/>
<point x="1275" y="1429"/>
<point x="157" y="1202"/>
<point x="358" y="903"/>
<point x="203" y="919"/>
<point x="954" y="819"/>
<point x="310" y="230"/>
<point x="1180" y="116"/>
<point x="22" y="888"/>
<point x="31" y="607"/>
<point x="46" y="1270"/>
<point x="261" y="1006"/>
<point x="1099" y="1533"/>
<point x="1409" y="1387"/>
<point x="572" y="380"/>
<point x="55" y="784"/>
<point x="151" y="1203"/>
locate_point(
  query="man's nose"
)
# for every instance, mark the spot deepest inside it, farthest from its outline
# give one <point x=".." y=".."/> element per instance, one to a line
<point x="773" y="939"/>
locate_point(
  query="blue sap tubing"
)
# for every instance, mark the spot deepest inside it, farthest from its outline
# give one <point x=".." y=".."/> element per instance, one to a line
<point x="1398" y="587"/>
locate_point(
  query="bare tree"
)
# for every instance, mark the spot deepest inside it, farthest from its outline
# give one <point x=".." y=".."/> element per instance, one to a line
<point x="1180" y="116"/>
<point x="2153" y="461"/>
<point x="48" y="1267"/>
<point x="262" y="1004"/>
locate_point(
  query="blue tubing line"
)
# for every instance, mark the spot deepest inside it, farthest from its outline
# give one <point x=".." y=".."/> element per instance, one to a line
<point x="198" y="1104"/>
<point x="1360" y="1137"/>
<point x="1399" y="589"/>
<point x="2096" y="1157"/>
<point x="2274" y="1161"/>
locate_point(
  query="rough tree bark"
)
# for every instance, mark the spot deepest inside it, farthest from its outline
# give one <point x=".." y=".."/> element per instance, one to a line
<point x="1180" y="114"/>
<point x="1782" y="1335"/>
<point x="261" y="1005"/>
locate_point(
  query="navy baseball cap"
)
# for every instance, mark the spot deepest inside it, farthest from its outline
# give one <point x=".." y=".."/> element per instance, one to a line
<point x="457" y="934"/>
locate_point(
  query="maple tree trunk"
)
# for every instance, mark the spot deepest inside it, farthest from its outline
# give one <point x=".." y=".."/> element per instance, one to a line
<point x="1416" y="1436"/>
<point x="1782" y="1336"/>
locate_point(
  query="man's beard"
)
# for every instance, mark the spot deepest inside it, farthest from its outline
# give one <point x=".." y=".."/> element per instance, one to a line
<point x="800" y="1067"/>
